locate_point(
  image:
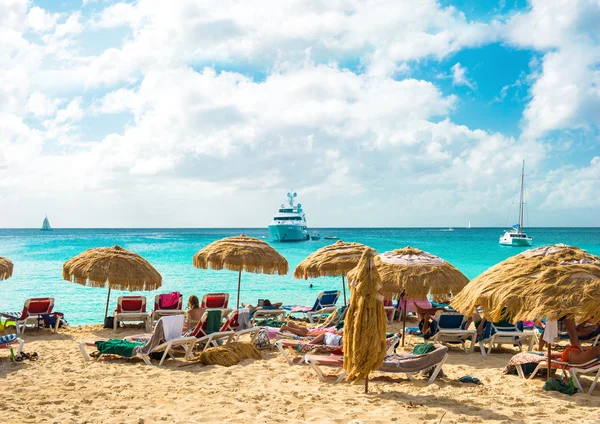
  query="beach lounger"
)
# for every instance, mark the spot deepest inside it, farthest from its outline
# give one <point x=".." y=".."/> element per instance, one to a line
<point x="216" y="301"/>
<point x="324" y="304"/>
<point x="302" y="346"/>
<point x="166" y="337"/>
<point x="10" y="340"/>
<point x="131" y="309"/>
<point x="207" y="338"/>
<point x="497" y="334"/>
<point x="573" y="370"/>
<point x="450" y="329"/>
<point x="167" y="304"/>
<point x="409" y="364"/>
<point x="265" y="312"/>
<point x="33" y="311"/>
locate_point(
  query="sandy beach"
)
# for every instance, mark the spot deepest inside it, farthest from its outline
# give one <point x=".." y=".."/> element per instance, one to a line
<point x="61" y="388"/>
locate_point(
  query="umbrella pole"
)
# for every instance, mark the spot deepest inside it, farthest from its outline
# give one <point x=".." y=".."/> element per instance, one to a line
<point x="239" y="283"/>
<point x="107" y="299"/>
<point x="549" y="356"/>
<point x="404" y="321"/>
<point x="344" y="287"/>
<point x="367" y="384"/>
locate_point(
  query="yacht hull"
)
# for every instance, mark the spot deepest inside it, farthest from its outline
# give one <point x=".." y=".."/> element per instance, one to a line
<point x="288" y="233"/>
<point x="516" y="241"/>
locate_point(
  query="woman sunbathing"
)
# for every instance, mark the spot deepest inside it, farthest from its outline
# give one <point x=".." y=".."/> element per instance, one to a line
<point x="194" y="313"/>
<point x="329" y="339"/>
<point x="302" y="331"/>
<point x="266" y="305"/>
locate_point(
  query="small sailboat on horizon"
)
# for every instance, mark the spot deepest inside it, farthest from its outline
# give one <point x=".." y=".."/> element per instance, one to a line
<point x="469" y="226"/>
<point x="46" y="225"/>
<point x="516" y="236"/>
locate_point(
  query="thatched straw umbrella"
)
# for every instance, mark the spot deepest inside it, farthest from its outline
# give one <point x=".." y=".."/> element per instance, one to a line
<point x="365" y="322"/>
<point x="331" y="261"/>
<point x="6" y="268"/>
<point x="417" y="273"/>
<point x="554" y="281"/>
<point x="241" y="253"/>
<point x="112" y="267"/>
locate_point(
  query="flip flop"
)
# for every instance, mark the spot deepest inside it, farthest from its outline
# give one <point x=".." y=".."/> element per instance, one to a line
<point x="34" y="356"/>
<point x="19" y="358"/>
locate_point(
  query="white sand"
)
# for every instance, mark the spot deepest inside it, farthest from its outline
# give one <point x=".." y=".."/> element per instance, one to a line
<point x="62" y="388"/>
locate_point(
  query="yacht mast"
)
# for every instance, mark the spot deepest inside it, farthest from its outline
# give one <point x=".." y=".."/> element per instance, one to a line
<point x="521" y="203"/>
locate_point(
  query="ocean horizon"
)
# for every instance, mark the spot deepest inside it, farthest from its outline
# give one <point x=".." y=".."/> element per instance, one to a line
<point x="38" y="258"/>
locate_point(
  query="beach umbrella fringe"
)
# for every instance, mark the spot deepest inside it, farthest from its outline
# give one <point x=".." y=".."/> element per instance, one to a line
<point x="334" y="260"/>
<point x="552" y="281"/>
<point x="6" y="268"/>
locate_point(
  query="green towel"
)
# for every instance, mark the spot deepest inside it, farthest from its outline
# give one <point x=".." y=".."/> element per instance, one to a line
<point x="118" y="347"/>
<point x="559" y="386"/>
<point x="422" y="349"/>
<point x="213" y="322"/>
<point x="339" y="325"/>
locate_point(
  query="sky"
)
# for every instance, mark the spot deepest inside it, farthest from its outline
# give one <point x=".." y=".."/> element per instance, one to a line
<point x="378" y="113"/>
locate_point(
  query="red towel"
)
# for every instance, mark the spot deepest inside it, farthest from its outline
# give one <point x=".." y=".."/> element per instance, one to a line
<point x="169" y="300"/>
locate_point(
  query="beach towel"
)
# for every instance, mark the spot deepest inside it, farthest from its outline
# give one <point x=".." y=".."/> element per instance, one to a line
<point x="243" y="319"/>
<point x="118" y="347"/>
<point x="527" y="360"/>
<point x="169" y="300"/>
<point x="551" y="331"/>
<point x="213" y="321"/>
<point x="172" y="326"/>
<point x="422" y="349"/>
<point x="552" y="384"/>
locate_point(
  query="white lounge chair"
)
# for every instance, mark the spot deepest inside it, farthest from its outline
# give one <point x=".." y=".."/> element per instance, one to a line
<point x="450" y="329"/>
<point x="131" y="309"/>
<point x="409" y="364"/>
<point x="324" y="305"/>
<point x="9" y="340"/>
<point x="497" y="334"/>
<point x="573" y="370"/>
<point x="166" y="337"/>
<point x="33" y="311"/>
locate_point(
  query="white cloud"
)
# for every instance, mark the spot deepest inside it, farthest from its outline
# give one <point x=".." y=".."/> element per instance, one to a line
<point x="40" y="20"/>
<point x="459" y="76"/>
<point x="40" y="105"/>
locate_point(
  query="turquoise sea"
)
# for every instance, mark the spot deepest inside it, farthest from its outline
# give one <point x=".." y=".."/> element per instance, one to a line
<point x="38" y="258"/>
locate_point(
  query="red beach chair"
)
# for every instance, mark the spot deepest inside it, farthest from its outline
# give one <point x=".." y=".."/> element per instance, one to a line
<point x="131" y="308"/>
<point x="33" y="310"/>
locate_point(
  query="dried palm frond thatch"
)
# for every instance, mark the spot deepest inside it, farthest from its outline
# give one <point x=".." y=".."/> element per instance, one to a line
<point x="334" y="260"/>
<point x="365" y="322"/>
<point x="6" y="268"/>
<point x="241" y="253"/>
<point x="552" y="281"/>
<point x="112" y="267"/>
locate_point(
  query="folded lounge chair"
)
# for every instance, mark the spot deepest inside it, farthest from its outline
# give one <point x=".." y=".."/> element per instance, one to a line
<point x="10" y="340"/>
<point x="167" y="304"/>
<point x="450" y="329"/>
<point x="499" y="333"/>
<point x="33" y="311"/>
<point x="324" y="304"/>
<point x="167" y="336"/>
<point x="572" y="370"/>
<point x="131" y="308"/>
<point x="409" y="364"/>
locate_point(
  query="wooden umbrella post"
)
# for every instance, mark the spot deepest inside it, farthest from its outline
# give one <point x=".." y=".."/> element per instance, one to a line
<point x="404" y="320"/>
<point x="239" y="284"/>
<point x="344" y="288"/>
<point x="549" y="359"/>
<point x="367" y="384"/>
<point x="107" y="300"/>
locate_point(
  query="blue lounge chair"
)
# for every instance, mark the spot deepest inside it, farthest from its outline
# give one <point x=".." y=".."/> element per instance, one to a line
<point x="324" y="304"/>
<point x="451" y="329"/>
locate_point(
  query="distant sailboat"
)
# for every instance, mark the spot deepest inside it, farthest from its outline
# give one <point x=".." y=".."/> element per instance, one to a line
<point x="46" y="225"/>
<point x="469" y="226"/>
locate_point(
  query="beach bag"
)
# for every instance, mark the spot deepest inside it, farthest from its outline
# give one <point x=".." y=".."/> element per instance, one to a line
<point x="262" y="340"/>
<point x="109" y="322"/>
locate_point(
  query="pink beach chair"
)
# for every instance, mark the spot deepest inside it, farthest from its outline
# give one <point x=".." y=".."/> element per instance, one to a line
<point x="167" y="304"/>
<point x="131" y="309"/>
<point x="33" y="311"/>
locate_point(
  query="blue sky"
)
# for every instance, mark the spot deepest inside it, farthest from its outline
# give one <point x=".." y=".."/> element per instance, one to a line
<point x="379" y="113"/>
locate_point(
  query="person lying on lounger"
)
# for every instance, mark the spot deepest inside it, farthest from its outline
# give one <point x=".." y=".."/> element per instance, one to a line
<point x="302" y="331"/>
<point x="574" y="353"/>
<point x="266" y="305"/>
<point x="329" y="339"/>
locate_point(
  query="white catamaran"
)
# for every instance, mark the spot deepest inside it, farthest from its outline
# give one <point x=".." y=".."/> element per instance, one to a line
<point x="516" y="236"/>
<point x="46" y="225"/>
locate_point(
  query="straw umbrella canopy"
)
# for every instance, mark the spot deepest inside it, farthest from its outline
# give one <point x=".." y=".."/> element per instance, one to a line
<point x="554" y="281"/>
<point x="112" y="267"/>
<point x="241" y="253"/>
<point x="6" y="268"/>
<point x="365" y="322"/>
<point x="334" y="260"/>
<point x="417" y="273"/>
